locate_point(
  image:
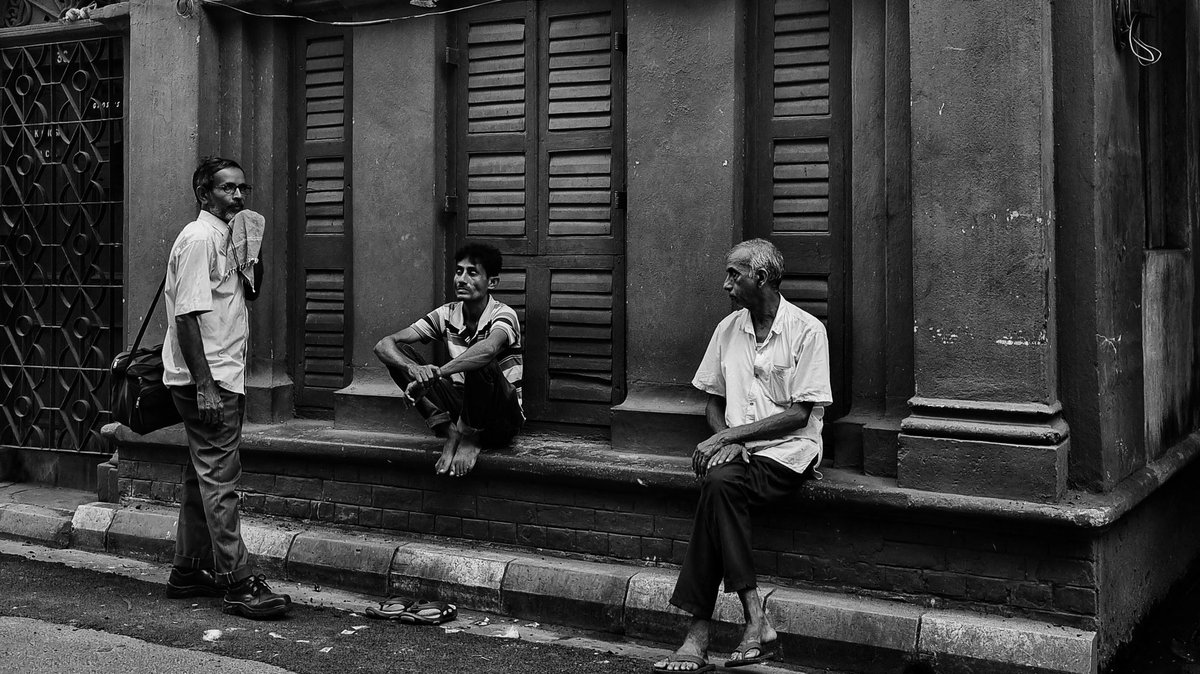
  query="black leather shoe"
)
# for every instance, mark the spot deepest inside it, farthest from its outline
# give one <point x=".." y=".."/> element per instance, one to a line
<point x="252" y="598"/>
<point x="193" y="583"/>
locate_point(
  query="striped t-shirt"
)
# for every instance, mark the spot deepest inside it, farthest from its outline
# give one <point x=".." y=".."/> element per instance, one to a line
<point x="446" y="324"/>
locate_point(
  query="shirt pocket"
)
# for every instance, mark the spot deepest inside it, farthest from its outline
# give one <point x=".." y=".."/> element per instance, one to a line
<point x="775" y="379"/>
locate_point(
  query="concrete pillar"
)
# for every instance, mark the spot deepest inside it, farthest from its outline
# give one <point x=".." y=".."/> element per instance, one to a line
<point x="986" y="417"/>
<point x="398" y="129"/>
<point x="161" y="149"/>
<point x="251" y="107"/>
<point x="684" y="139"/>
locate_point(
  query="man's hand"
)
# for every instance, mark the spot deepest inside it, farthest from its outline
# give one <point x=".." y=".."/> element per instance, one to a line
<point x="208" y="400"/>
<point x="732" y="452"/>
<point x="705" y="452"/>
<point x="425" y="374"/>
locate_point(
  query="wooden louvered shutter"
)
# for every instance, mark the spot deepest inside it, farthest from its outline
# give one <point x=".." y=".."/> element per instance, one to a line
<point x="497" y="129"/>
<point x="322" y="200"/>
<point x="540" y="175"/>
<point x="797" y="182"/>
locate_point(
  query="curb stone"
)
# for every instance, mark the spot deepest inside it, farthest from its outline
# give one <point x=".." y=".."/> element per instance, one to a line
<point x="353" y="562"/>
<point x="89" y="526"/>
<point x="966" y="642"/>
<point x="47" y="526"/>
<point x="567" y="592"/>
<point x="143" y="532"/>
<point x="837" y="631"/>
<point x="472" y="577"/>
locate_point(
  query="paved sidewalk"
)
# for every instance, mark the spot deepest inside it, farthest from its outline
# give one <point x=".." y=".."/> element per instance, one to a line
<point x="817" y="629"/>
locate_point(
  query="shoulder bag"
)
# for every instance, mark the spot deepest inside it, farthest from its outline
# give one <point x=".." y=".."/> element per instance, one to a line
<point x="140" y="400"/>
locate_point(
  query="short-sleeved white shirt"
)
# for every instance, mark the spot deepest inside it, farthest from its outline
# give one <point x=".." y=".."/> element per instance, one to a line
<point x="762" y="380"/>
<point x="201" y="277"/>
<point x="446" y="323"/>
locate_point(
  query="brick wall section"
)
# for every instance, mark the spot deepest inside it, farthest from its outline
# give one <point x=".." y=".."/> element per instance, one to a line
<point x="1045" y="574"/>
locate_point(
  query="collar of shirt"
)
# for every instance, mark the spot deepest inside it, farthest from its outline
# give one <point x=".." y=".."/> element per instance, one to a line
<point x="747" y="322"/>
<point x="214" y="222"/>
<point x="458" y="325"/>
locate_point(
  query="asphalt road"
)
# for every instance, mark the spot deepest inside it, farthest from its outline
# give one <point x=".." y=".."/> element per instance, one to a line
<point x="313" y="640"/>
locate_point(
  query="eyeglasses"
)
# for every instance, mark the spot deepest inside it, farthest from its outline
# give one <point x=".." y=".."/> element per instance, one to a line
<point x="230" y="188"/>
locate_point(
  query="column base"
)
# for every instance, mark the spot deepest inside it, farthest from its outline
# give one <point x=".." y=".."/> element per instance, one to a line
<point x="1000" y="450"/>
<point x="375" y="405"/>
<point x="660" y="419"/>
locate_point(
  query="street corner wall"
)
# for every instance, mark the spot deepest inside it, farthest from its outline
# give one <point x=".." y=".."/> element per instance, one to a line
<point x="1100" y="240"/>
<point x="1144" y="555"/>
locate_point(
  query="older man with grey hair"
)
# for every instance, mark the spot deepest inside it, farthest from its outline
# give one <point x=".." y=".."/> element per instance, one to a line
<point x="766" y="373"/>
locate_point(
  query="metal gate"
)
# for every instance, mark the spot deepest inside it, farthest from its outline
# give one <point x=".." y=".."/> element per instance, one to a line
<point x="61" y="122"/>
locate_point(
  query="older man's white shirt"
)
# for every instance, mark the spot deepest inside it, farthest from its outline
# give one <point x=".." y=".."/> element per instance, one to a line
<point x="762" y="380"/>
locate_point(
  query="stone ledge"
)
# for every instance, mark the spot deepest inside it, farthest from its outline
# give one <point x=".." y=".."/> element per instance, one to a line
<point x="587" y="461"/>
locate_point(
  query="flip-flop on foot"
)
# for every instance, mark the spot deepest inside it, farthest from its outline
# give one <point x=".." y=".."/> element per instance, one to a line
<point x="702" y="665"/>
<point x="765" y="651"/>
<point x="429" y="613"/>
<point x="389" y="609"/>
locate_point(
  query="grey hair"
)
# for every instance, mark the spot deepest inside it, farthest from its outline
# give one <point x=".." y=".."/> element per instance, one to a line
<point x="765" y="256"/>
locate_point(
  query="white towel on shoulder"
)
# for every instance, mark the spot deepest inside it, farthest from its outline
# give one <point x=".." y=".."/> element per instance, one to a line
<point x="245" y="242"/>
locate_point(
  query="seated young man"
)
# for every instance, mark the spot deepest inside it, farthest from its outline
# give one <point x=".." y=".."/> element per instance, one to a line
<point x="475" y="398"/>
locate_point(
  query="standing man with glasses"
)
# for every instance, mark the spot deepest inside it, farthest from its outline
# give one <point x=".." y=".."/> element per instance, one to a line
<point x="204" y="358"/>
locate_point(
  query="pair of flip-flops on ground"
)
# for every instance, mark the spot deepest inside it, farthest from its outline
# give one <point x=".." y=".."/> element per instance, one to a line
<point x="418" y="612"/>
<point x="762" y="653"/>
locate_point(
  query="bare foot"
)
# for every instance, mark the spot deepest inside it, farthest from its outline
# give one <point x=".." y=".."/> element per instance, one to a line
<point x="464" y="457"/>
<point x="448" y="450"/>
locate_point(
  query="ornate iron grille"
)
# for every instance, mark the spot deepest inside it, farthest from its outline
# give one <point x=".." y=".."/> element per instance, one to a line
<point x="61" y="123"/>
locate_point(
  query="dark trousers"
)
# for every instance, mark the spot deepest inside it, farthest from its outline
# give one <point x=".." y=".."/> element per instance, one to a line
<point x="486" y="402"/>
<point x="720" y="547"/>
<point x="209" y="533"/>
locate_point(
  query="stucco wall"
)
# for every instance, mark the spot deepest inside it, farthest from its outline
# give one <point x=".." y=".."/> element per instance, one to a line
<point x="685" y="147"/>
<point x="398" y="169"/>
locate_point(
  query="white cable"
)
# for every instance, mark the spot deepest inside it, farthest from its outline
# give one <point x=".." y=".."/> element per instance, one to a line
<point x="1146" y="54"/>
<point x="372" y="22"/>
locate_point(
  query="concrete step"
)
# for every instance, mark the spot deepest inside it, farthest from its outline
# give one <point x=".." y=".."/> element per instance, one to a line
<point x="817" y="629"/>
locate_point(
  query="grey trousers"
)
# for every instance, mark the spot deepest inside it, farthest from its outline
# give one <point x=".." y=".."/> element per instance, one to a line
<point x="209" y="533"/>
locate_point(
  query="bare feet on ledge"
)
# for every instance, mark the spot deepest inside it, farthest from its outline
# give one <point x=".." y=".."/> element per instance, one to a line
<point x="447" y="458"/>
<point x="465" y="455"/>
<point x="459" y="453"/>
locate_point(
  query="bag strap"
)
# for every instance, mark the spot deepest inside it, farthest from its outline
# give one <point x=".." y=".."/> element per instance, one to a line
<point x="146" y="320"/>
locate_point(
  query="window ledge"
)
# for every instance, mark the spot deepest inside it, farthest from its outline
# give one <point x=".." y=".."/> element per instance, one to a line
<point x="593" y="461"/>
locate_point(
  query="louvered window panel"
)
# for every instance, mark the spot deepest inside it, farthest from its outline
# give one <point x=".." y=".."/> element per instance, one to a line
<point x="581" y="339"/>
<point x="580" y="72"/>
<point x="539" y="172"/>
<point x="496" y="77"/>
<point x="324" y="196"/>
<point x="322" y="199"/>
<point x="324" y="331"/>
<point x="800" y="186"/>
<point x="799" y="122"/>
<point x="512" y="291"/>
<point x="324" y="89"/>
<point x="809" y="292"/>
<point x="801" y="46"/>
<point x="496" y="195"/>
<point x="580" y="193"/>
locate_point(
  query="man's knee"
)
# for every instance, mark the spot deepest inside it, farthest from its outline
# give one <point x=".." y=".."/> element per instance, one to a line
<point x="722" y="478"/>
